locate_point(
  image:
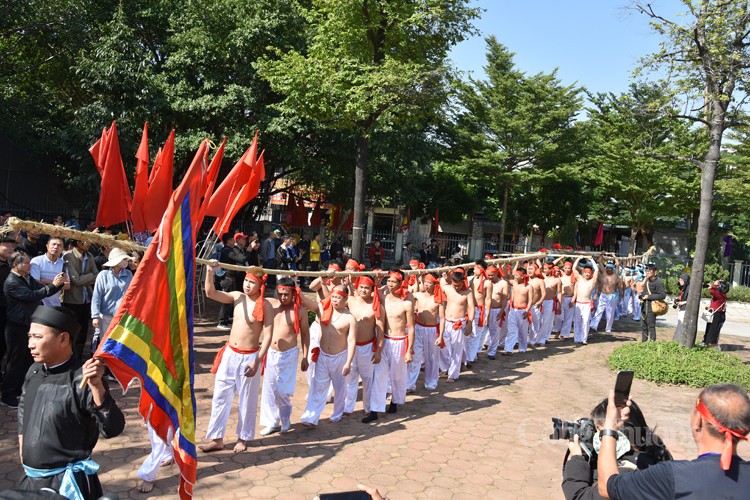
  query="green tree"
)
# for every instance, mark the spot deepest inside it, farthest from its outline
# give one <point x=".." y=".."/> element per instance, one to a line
<point x="508" y="126"/>
<point x="369" y="66"/>
<point x="632" y="182"/>
<point x="706" y="54"/>
<point x="732" y="205"/>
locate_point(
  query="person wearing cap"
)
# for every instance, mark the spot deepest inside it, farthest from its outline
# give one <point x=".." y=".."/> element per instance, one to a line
<point x="22" y="295"/>
<point x="608" y="295"/>
<point x="59" y="419"/>
<point x="8" y="245"/>
<point x="653" y="289"/>
<point x="719" y="420"/>
<point x="109" y="289"/>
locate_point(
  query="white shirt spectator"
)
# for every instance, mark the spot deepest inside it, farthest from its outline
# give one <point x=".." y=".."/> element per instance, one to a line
<point x="44" y="269"/>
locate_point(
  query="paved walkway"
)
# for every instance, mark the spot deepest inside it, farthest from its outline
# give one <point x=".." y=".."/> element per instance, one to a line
<point x="485" y="436"/>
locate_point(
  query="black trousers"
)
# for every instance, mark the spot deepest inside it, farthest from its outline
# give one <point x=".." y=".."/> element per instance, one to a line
<point x="19" y="360"/>
<point x="90" y="486"/>
<point x="83" y="317"/>
<point x="3" y="345"/>
<point x="713" y="328"/>
<point x="226" y="284"/>
<point x="648" y="322"/>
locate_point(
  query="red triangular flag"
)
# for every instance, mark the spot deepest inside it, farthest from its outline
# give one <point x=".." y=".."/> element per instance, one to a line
<point x="599" y="235"/>
<point x="210" y="179"/>
<point x="228" y="189"/>
<point x="99" y="151"/>
<point x="141" y="183"/>
<point x="246" y="193"/>
<point x="160" y="186"/>
<point x="349" y="222"/>
<point x="291" y="206"/>
<point x="114" y="197"/>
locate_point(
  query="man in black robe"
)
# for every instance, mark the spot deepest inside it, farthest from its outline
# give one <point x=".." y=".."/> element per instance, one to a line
<point x="58" y="421"/>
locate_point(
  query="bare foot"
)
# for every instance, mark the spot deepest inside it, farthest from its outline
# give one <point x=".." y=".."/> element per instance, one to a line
<point x="213" y="445"/>
<point x="167" y="462"/>
<point x="240" y="446"/>
<point x="146" y="487"/>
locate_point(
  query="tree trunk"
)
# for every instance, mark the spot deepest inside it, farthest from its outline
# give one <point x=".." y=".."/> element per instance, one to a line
<point x="503" y="218"/>
<point x="708" y="173"/>
<point x="360" y="193"/>
<point x="633" y="239"/>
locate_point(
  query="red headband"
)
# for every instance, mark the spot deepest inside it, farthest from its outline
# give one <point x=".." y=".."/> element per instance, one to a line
<point x="297" y="304"/>
<point x="460" y="270"/>
<point x="367" y="281"/>
<point x="325" y="318"/>
<point x="726" y="453"/>
<point x="438" y="294"/>
<point x="354" y="265"/>
<point x="402" y="291"/>
<point x="258" y="308"/>
<point x="413" y="262"/>
<point x="334" y="267"/>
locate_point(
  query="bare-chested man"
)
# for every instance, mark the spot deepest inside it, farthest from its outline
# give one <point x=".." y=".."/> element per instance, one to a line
<point x="430" y="307"/>
<point x="322" y="286"/>
<point x="609" y="295"/>
<point x="367" y="310"/>
<point x="333" y="359"/>
<point x="626" y="292"/>
<point x="584" y="289"/>
<point x="458" y="319"/>
<point x="397" y="348"/>
<point x="536" y="282"/>
<point x="498" y="310"/>
<point x="237" y="364"/>
<point x="481" y="288"/>
<point x="568" y="280"/>
<point x="639" y="284"/>
<point x="280" y="375"/>
<point x="519" y="314"/>
<point x="551" y="304"/>
<point x="413" y="280"/>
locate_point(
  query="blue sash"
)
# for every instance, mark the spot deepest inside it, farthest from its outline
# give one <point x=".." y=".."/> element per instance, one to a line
<point x="68" y="487"/>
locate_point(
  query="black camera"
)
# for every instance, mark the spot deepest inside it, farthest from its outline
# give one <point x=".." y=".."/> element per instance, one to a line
<point x="723" y="287"/>
<point x="583" y="428"/>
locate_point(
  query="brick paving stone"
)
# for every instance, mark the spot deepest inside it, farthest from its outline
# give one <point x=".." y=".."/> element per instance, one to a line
<point x="487" y="436"/>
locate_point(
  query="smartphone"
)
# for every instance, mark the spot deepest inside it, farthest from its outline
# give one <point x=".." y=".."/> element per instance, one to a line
<point x="345" y="495"/>
<point x="622" y="387"/>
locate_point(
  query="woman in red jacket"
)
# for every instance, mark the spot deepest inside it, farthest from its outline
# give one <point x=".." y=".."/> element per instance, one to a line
<point x="718" y="293"/>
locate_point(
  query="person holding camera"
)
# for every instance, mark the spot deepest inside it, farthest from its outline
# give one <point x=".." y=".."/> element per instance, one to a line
<point x="718" y="421"/>
<point x="653" y="290"/>
<point x="638" y="447"/>
<point x="681" y="303"/>
<point x="718" y="305"/>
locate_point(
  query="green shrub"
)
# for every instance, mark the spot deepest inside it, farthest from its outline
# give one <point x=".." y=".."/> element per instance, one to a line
<point x="668" y="363"/>
<point x="739" y="293"/>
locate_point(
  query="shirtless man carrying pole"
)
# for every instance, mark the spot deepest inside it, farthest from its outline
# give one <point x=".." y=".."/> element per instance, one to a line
<point x="536" y="282"/>
<point x="280" y="369"/>
<point x="457" y="322"/>
<point x="237" y="363"/>
<point x="608" y="295"/>
<point x="584" y="289"/>
<point x="397" y="348"/>
<point x="430" y="307"/>
<point x="481" y="288"/>
<point x="333" y="359"/>
<point x="519" y="314"/>
<point x="551" y="304"/>
<point x="370" y="316"/>
<point x="568" y="280"/>
<point x="498" y="306"/>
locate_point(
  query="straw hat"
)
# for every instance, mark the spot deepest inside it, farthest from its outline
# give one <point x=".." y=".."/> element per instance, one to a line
<point x="115" y="257"/>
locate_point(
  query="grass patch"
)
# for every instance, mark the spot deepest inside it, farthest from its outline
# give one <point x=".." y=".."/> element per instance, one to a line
<point x="668" y="363"/>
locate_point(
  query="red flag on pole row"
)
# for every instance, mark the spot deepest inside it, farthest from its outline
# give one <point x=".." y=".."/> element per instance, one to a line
<point x="160" y="186"/>
<point x="141" y="183"/>
<point x="599" y="235"/>
<point x="114" y="198"/>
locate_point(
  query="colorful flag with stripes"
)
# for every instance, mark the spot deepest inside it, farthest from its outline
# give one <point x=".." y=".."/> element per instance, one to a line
<point x="151" y="336"/>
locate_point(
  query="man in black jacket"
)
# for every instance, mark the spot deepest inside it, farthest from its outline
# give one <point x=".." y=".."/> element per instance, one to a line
<point x="7" y="247"/>
<point x="22" y="295"/>
<point x="653" y="290"/>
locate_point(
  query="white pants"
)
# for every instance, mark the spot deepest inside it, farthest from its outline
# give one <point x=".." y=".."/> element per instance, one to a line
<point x="314" y="342"/>
<point x="475" y="339"/>
<point x="362" y="368"/>
<point x="582" y="321"/>
<point x="546" y="320"/>
<point x="230" y="378"/>
<point x="493" y="327"/>
<point x="607" y="304"/>
<point x="567" y="317"/>
<point x="279" y="381"/>
<point x="454" y="346"/>
<point x="557" y="322"/>
<point x="425" y="351"/>
<point x="391" y="369"/>
<point x="625" y="305"/>
<point x="536" y="324"/>
<point x="518" y="330"/>
<point x="160" y="451"/>
<point x="636" y="305"/>
<point x="504" y="327"/>
<point x="328" y="370"/>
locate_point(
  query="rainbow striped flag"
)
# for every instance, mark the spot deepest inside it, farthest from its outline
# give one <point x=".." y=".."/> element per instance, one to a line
<point x="151" y="337"/>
